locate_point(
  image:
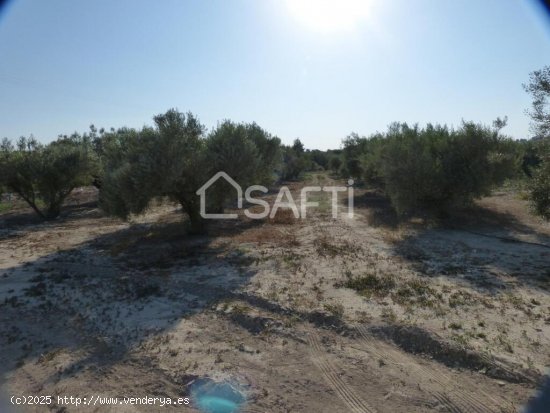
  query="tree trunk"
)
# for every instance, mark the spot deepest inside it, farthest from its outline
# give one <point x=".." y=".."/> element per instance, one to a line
<point x="197" y="224"/>
<point x="53" y="211"/>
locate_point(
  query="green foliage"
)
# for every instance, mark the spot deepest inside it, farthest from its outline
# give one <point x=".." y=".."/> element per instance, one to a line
<point x="165" y="161"/>
<point x="354" y="147"/>
<point x="537" y="156"/>
<point x="434" y="168"/>
<point x="294" y="161"/>
<point x="44" y="175"/>
<point x="320" y="159"/>
<point x="539" y="89"/>
<point x="175" y="158"/>
<point x="372" y="284"/>
<point x="245" y="152"/>
<point x="370" y="159"/>
<point x="298" y="147"/>
<point x="530" y="156"/>
<point x="269" y="151"/>
<point x="540" y="183"/>
<point x="335" y="163"/>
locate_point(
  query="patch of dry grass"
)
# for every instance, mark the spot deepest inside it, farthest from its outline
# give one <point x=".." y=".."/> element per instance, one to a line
<point x="268" y="234"/>
<point x="326" y="246"/>
<point x="405" y="293"/>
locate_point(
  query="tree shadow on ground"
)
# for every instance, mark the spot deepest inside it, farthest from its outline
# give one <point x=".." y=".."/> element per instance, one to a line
<point x="488" y="263"/>
<point x="104" y="297"/>
<point x="477" y="245"/>
<point x="375" y="207"/>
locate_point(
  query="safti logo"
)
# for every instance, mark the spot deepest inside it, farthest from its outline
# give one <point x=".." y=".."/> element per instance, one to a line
<point x="284" y="199"/>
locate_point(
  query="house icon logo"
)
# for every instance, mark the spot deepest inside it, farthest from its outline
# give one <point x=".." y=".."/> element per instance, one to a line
<point x="299" y="211"/>
<point x="202" y="193"/>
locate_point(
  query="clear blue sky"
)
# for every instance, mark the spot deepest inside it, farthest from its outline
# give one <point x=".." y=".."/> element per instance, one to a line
<point x="66" y="64"/>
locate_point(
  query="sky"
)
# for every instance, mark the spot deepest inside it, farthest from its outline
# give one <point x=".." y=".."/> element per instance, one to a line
<point x="314" y="70"/>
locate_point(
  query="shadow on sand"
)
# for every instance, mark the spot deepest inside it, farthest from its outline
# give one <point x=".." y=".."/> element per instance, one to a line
<point x="104" y="298"/>
<point x="477" y="245"/>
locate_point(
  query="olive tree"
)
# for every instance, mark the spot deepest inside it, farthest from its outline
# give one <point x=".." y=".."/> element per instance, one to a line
<point x="175" y="158"/>
<point x="44" y="175"/>
<point x="540" y="181"/>
<point x="434" y="168"/>
<point x="539" y="88"/>
<point x="167" y="160"/>
<point x="246" y="152"/>
<point x="294" y="161"/>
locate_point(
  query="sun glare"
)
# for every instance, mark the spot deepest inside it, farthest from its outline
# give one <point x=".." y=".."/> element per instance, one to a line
<point x="329" y="15"/>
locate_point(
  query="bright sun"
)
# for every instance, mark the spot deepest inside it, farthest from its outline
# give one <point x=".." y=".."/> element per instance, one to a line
<point x="329" y="15"/>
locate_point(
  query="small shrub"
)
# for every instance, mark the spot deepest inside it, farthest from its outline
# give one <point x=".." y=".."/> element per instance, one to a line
<point x="240" y="309"/>
<point x="371" y="284"/>
<point x="460" y="298"/>
<point x="455" y="326"/>
<point x="389" y="315"/>
<point x="416" y="292"/>
<point x="337" y="310"/>
<point x="326" y="248"/>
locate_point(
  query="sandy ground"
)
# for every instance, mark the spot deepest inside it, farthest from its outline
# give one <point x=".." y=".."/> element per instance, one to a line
<point x="451" y="317"/>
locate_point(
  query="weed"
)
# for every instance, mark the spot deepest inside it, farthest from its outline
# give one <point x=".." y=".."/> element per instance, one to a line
<point x="325" y="248"/>
<point x="455" y="326"/>
<point x="291" y="321"/>
<point x="240" y="309"/>
<point x="416" y="292"/>
<point x="363" y="316"/>
<point x="460" y="339"/>
<point x="505" y="343"/>
<point x="291" y="259"/>
<point x="389" y="315"/>
<point x="516" y="301"/>
<point x="371" y="284"/>
<point x="5" y="207"/>
<point x="49" y="356"/>
<point x="460" y="298"/>
<point x="337" y="310"/>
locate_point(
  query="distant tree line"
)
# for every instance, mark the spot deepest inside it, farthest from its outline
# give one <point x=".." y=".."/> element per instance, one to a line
<point x="132" y="167"/>
<point x="431" y="168"/>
